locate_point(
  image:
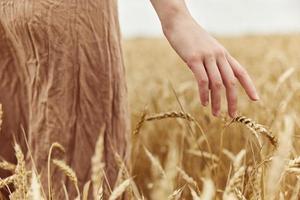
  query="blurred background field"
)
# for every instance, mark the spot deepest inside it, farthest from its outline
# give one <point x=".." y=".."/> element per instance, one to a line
<point x="153" y="69"/>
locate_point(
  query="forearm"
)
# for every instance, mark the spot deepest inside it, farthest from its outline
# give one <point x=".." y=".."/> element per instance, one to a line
<point x="168" y="10"/>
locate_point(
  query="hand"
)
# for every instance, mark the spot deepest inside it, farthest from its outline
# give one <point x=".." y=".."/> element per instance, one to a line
<point x="211" y="64"/>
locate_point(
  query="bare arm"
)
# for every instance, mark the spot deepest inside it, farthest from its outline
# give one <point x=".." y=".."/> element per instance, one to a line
<point x="211" y="64"/>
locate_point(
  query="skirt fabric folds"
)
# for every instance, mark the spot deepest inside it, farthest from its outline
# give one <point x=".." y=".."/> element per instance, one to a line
<point x="61" y="80"/>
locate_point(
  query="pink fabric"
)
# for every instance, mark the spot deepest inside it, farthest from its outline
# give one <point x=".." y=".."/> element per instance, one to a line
<point x="62" y="78"/>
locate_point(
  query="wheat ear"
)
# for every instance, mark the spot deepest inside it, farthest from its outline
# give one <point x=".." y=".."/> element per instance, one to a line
<point x="9" y="180"/>
<point x="294" y="166"/>
<point x="176" y="195"/>
<point x="68" y="172"/>
<point x="35" y="188"/>
<point x="118" y="191"/>
<point x="21" y="179"/>
<point x="161" y="116"/>
<point x="186" y="177"/>
<point x="7" y="166"/>
<point x="234" y="182"/>
<point x="257" y="129"/>
<point x="203" y="154"/>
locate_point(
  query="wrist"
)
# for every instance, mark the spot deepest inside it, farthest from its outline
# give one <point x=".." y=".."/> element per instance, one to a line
<point x="172" y="16"/>
<point x="173" y="22"/>
<point x="170" y="13"/>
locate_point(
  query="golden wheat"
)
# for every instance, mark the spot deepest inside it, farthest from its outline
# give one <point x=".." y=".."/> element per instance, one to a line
<point x="53" y="146"/>
<point x="208" y="191"/>
<point x="250" y="172"/>
<point x="155" y="162"/>
<point x="194" y="194"/>
<point x="176" y="195"/>
<point x="161" y="116"/>
<point x="7" y="166"/>
<point x="9" y="180"/>
<point x="256" y="128"/>
<point x="186" y="177"/>
<point x="21" y="181"/>
<point x="235" y="182"/>
<point x="68" y="172"/>
<point x="118" y="191"/>
<point x="98" y="165"/>
<point x="35" y="189"/>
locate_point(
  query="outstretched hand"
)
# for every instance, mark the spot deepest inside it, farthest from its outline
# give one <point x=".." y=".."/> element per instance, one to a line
<point x="214" y="68"/>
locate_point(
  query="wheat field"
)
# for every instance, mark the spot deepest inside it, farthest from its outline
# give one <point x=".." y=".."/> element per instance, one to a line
<point x="235" y="160"/>
<point x="179" y="150"/>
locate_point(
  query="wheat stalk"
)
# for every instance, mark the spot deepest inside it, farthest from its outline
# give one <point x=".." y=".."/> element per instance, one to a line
<point x="85" y="192"/>
<point x="285" y="76"/>
<point x="55" y="145"/>
<point x="65" y="191"/>
<point x="278" y="164"/>
<point x="98" y="165"/>
<point x="176" y="195"/>
<point x="208" y="191"/>
<point x="155" y="162"/>
<point x="9" y="180"/>
<point x="118" y="191"/>
<point x="186" y="177"/>
<point x="194" y="194"/>
<point x="204" y="154"/>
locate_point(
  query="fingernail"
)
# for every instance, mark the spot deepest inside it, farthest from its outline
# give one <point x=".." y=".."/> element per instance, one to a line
<point x="256" y="97"/>
<point x="205" y="103"/>
<point x="216" y="113"/>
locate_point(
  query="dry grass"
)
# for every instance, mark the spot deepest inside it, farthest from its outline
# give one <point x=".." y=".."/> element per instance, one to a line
<point x="179" y="151"/>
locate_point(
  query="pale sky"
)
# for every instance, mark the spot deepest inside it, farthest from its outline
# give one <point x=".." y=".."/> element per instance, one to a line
<point x="222" y="17"/>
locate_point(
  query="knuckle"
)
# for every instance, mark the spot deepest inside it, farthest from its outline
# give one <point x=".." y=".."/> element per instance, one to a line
<point x="209" y="55"/>
<point x="231" y="83"/>
<point x="193" y="59"/>
<point x="217" y="85"/>
<point x="219" y="52"/>
<point x="203" y="82"/>
<point x="241" y="73"/>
